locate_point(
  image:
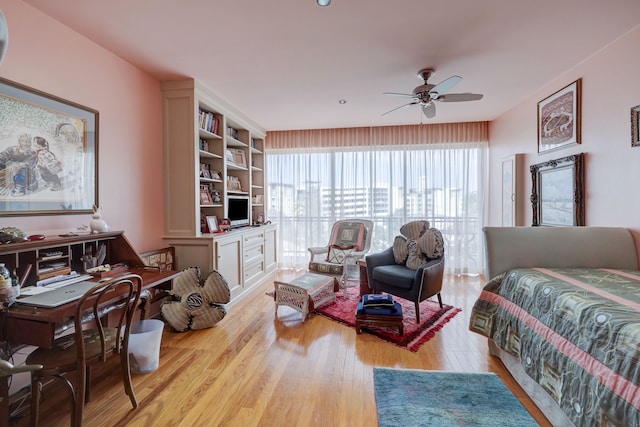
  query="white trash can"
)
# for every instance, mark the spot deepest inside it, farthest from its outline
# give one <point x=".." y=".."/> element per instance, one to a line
<point x="144" y="345"/>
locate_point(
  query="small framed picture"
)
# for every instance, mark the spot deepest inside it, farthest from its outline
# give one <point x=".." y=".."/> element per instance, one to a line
<point x="205" y="197"/>
<point x="237" y="157"/>
<point x="216" y="175"/>
<point x="212" y="223"/>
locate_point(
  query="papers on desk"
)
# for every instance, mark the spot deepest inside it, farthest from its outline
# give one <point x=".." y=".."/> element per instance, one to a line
<point x="55" y="283"/>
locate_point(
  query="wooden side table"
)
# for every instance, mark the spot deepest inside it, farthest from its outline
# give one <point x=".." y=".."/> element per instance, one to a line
<point x="379" y="318"/>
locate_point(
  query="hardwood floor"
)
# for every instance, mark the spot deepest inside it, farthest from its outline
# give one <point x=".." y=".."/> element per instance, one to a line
<point x="253" y="369"/>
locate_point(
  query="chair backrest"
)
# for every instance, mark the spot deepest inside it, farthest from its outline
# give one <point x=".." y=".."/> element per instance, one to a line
<point x="348" y="232"/>
<point x="118" y="296"/>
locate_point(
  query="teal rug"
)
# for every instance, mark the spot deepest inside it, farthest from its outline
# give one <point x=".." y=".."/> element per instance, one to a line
<point x="407" y="397"/>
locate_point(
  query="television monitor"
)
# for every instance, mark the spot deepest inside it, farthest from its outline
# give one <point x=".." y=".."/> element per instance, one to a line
<point x="238" y="210"/>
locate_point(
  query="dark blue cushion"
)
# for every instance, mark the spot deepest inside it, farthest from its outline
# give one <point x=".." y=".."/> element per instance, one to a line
<point x="396" y="310"/>
<point x="395" y="275"/>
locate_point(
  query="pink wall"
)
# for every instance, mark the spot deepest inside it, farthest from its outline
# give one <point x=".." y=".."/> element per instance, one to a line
<point x="45" y="55"/>
<point x="610" y="87"/>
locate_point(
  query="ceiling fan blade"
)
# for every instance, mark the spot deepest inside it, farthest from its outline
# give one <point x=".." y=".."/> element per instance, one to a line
<point x="458" y="97"/>
<point x="446" y="85"/>
<point x="397" y="108"/>
<point x="406" y="95"/>
<point x="429" y="110"/>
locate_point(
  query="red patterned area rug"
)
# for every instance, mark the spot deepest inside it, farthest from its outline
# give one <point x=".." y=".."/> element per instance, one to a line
<point x="432" y="318"/>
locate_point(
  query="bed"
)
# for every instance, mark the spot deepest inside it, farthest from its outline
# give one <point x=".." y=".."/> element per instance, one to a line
<point x="561" y="312"/>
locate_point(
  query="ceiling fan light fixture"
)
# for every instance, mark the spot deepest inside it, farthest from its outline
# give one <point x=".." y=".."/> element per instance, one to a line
<point x="323" y="2"/>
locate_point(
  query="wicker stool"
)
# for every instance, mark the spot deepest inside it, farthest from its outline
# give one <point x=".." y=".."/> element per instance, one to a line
<point x="305" y="293"/>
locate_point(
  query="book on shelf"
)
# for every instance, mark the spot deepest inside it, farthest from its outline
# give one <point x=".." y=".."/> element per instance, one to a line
<point x="208" y="121"/>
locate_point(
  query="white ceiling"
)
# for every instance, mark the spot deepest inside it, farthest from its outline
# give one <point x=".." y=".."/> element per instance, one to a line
<point x="286" y="63"/>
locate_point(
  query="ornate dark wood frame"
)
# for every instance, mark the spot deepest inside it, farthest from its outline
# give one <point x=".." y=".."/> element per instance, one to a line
<point x="635" y="126"/>
<point x="576" y="163"/>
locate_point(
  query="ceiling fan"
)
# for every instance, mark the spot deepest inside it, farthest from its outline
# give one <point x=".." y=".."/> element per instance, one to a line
<point x="426" y="93"/>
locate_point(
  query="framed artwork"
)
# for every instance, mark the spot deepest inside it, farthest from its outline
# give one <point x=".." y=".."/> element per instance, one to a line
<point x="237" y="157"/>
<point x="216" y="175"/>
<point x="233" y="183"/>
<point x="557" y="194"/>
<point x="205" y="197"/>
<point x="559" y="118"/>
<point x="635" y="126"/>
<point x="48" y="153"/>
<point x="205" y="171"/>
<point x="212" y="223"/>
<point x="509" y="191"/>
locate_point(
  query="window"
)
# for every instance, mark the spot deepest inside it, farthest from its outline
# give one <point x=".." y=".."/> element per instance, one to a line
<point x="443" y="183"/>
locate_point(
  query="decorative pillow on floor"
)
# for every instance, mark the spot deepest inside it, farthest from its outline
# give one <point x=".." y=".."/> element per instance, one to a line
<point x="201" y="305"/>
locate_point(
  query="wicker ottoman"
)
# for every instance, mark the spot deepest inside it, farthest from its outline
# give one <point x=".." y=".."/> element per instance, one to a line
<point x="305" y="293"/>
<point x="381" y="317"/>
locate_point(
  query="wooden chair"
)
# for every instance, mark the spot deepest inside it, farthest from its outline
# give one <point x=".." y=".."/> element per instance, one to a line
<point x="91" y="342"/>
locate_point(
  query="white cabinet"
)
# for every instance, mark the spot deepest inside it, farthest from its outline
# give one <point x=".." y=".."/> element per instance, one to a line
<point x="245" y="257"/>
<point x="229" y="255"/>
<point x="270" y="250"/>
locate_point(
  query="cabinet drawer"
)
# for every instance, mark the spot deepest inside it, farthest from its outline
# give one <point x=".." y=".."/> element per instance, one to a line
<point x="253" y="240"/>
<point x="253" y="252"/>
<point x="253" y="270"/>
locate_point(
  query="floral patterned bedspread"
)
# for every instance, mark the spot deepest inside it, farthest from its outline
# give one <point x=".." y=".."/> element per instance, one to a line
<point x="576" y="333"/>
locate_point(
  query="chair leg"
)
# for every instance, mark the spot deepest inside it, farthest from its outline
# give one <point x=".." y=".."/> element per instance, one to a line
<point x="440" y="299"/>
<point x="417" y="312"/>
<point x="35" y="400"/>
<point x="87" y="385"/>
<point x="126" y="376"/>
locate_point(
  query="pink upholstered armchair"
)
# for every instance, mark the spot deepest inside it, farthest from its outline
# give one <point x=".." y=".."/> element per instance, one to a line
<point x="350" y="240"/>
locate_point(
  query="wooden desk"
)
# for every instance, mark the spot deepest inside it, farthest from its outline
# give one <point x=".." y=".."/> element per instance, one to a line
<point x="38" y="326"/>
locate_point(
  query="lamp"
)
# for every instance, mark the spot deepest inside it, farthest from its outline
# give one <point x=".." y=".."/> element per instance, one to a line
<point x="323" y="2"/>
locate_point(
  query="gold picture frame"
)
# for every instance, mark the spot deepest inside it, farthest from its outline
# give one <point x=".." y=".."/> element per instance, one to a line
<point x="559" y="118"/>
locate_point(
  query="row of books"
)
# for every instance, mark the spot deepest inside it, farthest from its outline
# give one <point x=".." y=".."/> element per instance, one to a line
<point x="233" y="133"/>
<point x="208" y="121"/>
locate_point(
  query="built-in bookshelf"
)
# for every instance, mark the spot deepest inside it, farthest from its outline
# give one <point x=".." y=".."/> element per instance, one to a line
<point x="225" y="151"/>
<point x="214" y="166"/>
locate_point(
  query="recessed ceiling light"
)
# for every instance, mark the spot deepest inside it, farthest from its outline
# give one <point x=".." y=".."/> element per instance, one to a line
<point x="323" y="2"/>
<point x="342" y="101"/>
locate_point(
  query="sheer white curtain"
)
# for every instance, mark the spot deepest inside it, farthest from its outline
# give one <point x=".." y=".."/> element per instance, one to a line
<point x="393" y="180"/>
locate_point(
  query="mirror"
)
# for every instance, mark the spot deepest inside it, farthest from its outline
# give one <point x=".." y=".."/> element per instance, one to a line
<point x="557" y="194"/>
